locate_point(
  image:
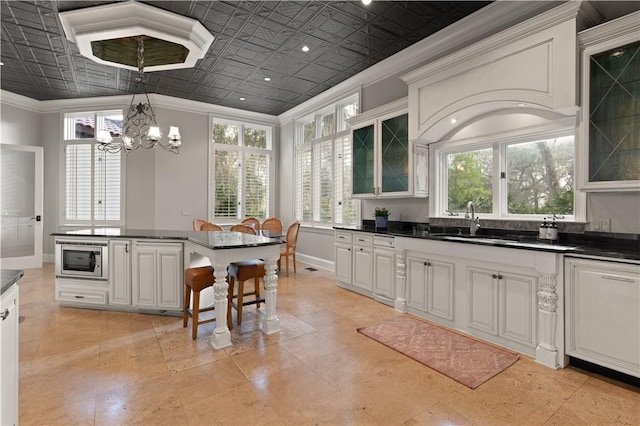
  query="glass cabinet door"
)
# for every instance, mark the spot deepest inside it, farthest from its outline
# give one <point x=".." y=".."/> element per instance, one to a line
<point x="363" y="160"/>
<point x="395" y="154"/>
<point x="614" y="114"/>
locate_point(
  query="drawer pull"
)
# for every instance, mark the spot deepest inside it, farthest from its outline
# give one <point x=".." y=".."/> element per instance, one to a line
<point x="5" y="314"/>
<point x="79" y="297"/>
<point x="614" y="278"/>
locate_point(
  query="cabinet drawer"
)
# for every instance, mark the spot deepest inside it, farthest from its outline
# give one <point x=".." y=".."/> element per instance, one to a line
<point x="362" y="239"/>
<point x="344" y="237"/>
<point x="78" y="295"/>
<point x="380" y="241"/>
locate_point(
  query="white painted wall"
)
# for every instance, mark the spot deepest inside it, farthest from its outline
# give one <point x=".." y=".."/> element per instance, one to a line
<point x="19" y="126"/>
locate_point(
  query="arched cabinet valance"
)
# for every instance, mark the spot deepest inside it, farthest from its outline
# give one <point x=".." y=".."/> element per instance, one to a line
<point x="531" y="65"/>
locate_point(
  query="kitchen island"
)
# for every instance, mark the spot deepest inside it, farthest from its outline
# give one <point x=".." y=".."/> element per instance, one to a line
<point x="143" y="270"/>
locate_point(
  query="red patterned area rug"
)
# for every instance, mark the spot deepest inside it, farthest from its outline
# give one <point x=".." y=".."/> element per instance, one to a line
<point x="461" y="358"/>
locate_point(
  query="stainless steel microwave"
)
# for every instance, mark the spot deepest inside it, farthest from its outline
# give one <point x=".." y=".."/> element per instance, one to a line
<point x="82" y="259"/>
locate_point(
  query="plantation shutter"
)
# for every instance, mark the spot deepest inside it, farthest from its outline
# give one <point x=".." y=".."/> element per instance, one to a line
<point x="227" y="190"/>
<point x="78" y="182"/>
<point x="325" y="180"/>
<point x="107" y="186"/>
<point x="256" y="175"/>
<point x="304" y="210"/>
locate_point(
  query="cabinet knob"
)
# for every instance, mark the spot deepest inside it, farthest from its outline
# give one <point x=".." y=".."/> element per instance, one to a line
<point x="426" y="264"/>
<point x="360" y="248"/>
<point x="5" y="314"/>
<point x="500" y="277"/>
<point x="494" y="276"/>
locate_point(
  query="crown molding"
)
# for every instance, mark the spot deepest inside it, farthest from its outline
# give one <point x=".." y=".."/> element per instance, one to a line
<point x="628" y="25"/>
<point x="19" y="101"/>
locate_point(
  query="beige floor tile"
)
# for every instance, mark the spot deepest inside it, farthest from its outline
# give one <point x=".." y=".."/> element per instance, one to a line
<point x="265" y="360"/>
<point x="151" y="402"/>
<point x="204" y="381"/>
<point x="242" y="405"/>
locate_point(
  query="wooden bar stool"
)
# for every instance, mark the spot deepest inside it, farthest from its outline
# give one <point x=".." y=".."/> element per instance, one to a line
<point x="196" y="280"/>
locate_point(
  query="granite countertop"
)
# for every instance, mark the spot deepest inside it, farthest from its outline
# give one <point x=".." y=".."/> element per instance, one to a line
<point x="10" y="277"/>
<point x="215" y="240"/>
<point x="623" y="246"/>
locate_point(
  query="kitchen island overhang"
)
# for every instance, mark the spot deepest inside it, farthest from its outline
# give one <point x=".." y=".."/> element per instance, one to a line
<point x="221" y="248"/>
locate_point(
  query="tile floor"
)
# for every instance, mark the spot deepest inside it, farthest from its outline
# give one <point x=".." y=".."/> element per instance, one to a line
<point x="80" y="366"/>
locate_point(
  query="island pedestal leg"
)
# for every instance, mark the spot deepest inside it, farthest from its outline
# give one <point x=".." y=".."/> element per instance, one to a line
<point x="221" y="336"/>
<point x="269" y="322"/>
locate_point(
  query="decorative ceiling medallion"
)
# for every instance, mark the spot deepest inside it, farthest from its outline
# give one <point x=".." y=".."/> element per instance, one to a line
<point x="107" y="35"/>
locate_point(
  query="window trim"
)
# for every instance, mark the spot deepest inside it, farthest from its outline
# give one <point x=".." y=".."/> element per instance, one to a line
<point x="62" y="166"/>
<point x="242" y="150"/>
<point x="498" y="143"/>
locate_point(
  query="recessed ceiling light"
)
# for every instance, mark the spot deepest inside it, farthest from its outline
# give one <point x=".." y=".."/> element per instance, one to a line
<point x="267" y="79"/>
<point x="366" y="2"/>
<point x="305" y="48"/>
<point x="242" y="99"/>
<point x="617" y="53"/>
<point x="522" y="105"/>
<point x="453" y="120"/>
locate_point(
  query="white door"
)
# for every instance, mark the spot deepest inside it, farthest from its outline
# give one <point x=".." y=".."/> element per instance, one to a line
<point x="21" y="192"/>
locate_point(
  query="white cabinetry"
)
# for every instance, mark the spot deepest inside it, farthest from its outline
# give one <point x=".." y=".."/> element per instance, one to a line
<point x="603" y="320"/>
<point x="385" y="163"/>
<point x="157" y="275"/>
<point x="366" y="263"/>
<point x="384" y="269"/>
<point x="363" y="261"/>
<point x="343" y="257"/>
<point x="430" y="286"/>
<point x="503" y="304"/>
<point x="9" y="357"/>
<point x="82" y="292"/>
<point x="120" y="272"/>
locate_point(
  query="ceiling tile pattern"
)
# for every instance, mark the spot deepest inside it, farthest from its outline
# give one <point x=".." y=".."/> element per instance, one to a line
<point x="253" y="40"/>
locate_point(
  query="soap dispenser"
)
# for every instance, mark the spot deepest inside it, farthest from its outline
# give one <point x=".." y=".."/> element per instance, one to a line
<point x="552" y="231"/>
<point x="543" y="230"/>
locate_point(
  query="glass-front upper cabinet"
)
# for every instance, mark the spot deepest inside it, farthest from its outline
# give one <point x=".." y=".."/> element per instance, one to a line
<point x="383" y="159"/>
<point x="609" y="150"/>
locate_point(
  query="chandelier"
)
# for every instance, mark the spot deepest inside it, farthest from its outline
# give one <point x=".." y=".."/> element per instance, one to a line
<point x="139" y="128"/>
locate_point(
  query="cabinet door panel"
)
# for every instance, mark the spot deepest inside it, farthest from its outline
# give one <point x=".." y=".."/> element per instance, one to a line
<point x="417" y="282"/>
<point x="518" y="308"/>
<point x="364" y="160"/>
<point x="119" y="273"/>
<point x="440" y="298"/>
<point x="384" y="276"/>
<point x="9" y="358"/>
<point x="605" y="316"/>
<point x="170" y="269"/>
<point x="145" y="270"/>
<point x="395" y="154"/>
<point x="343" y="263"/>
<point x="362" y="267"/>
<point x="482" y="300"/>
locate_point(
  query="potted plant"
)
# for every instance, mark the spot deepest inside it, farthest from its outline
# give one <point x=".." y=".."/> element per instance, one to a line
<point x="382" y="217"/>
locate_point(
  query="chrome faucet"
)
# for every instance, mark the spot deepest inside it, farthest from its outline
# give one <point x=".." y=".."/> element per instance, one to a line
<point x="474" y="222"/>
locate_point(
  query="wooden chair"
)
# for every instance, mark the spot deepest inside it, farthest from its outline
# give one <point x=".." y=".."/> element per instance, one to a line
<point x="252" y="222"/>
<point x="197" y="224"/>
<point x="246" y="229"/>
<point x="196" y="280"/>
<point x="207" y="226"/>
<point x="241" y="272"/>
<point x="272" y="226"/>
<point x="290" y="247"/>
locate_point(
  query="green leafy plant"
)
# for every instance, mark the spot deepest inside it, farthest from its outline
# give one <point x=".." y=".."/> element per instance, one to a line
<point x="381" y="212"/>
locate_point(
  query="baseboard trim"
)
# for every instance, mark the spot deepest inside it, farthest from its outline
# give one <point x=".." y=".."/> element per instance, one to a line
<point x="316" y="262"/>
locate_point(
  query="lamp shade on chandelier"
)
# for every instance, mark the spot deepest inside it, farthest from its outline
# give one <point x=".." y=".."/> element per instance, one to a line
<point x="140" y="128"/>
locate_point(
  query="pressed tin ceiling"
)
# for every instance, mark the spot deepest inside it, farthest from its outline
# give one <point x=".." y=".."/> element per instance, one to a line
<point x="253" y="40"/>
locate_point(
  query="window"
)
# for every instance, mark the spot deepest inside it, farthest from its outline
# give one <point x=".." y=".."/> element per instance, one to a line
<point x="241" y="170"/>
<point x="509" y="178"/>
<point x="323" y="166"/>
<point x="93" y="179"/>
